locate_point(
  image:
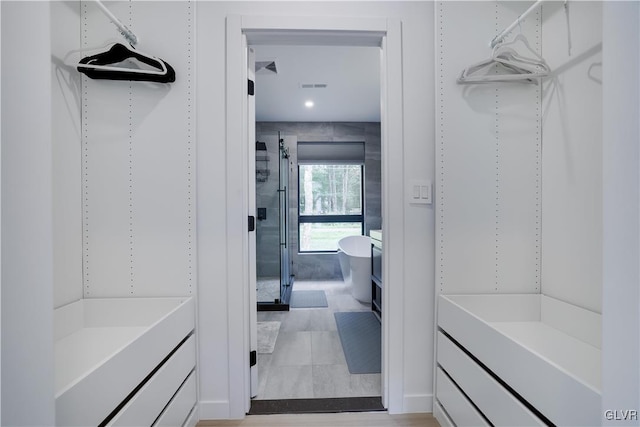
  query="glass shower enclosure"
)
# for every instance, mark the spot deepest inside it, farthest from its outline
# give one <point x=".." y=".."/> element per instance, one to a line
<point x="273" y="256"/>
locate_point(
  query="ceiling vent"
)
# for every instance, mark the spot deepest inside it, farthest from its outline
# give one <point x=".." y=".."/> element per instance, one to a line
<point x="313" y="85"/>
<point x="266" y="67"/>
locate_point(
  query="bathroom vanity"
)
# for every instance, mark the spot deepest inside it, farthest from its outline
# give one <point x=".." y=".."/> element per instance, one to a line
<point x="376" y="272"/>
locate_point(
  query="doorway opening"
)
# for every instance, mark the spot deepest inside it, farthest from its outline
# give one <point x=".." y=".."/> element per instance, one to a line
<point x="242" y="31"/>
<point x="318" y="181"/>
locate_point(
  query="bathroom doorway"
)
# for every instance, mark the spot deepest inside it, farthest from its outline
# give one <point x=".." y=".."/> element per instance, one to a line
<point x="254" y="30"/>
<point x="333" y="180"/>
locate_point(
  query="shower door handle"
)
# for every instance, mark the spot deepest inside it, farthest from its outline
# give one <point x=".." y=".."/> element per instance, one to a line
<point x="283" y="215"/>
<point x="286" y="211"/>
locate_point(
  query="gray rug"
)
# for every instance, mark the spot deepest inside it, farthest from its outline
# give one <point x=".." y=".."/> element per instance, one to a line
<point x="267" y="335"/>
<point x="308" y="299"/>
<point x="361" y="338"/>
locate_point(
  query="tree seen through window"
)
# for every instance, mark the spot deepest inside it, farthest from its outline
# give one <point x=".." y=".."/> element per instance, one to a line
<point x="330" y="205"/>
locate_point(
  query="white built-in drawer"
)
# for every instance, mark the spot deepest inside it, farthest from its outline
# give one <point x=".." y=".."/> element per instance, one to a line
<point x="148" y="403"/>
<point x="496" y="402"/>
<point x="441" y="416"/>
<point x="456" y="405"/>
<point x="178" y="410"/>
<point x="192" y="420"/>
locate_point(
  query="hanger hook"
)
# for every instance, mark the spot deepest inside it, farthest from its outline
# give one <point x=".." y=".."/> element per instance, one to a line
<point x="520" y="25"/>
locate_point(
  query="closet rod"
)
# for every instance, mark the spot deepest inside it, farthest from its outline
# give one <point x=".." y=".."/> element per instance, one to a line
<point x="497" y="39"/>
<point x="126" y="33"/>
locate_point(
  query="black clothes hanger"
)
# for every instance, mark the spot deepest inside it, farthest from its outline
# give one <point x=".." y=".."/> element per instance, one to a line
<point x="99" y="66"/>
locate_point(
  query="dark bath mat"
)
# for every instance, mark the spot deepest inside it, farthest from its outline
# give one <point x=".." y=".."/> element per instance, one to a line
<point x="360" y="335"/>
<point x="308" y="299"/>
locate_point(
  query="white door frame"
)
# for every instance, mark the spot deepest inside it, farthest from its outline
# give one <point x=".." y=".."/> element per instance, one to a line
<point x="353" y="31"/>
<point x="251" y="181"/>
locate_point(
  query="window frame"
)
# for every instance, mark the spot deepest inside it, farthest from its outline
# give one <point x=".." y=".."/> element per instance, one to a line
<point x="326" y="219"/>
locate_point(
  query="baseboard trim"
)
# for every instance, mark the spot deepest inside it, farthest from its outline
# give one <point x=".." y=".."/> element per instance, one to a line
<point x="416" y="403"/>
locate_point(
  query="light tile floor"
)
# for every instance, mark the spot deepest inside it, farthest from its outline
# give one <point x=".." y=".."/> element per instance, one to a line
<point x="308" y="361"/>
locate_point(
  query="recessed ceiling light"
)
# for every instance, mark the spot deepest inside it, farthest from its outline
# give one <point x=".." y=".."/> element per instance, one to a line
<point x="308" y="104"/>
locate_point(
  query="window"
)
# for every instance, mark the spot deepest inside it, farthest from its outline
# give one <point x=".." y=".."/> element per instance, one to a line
<point x="330" y="205"/>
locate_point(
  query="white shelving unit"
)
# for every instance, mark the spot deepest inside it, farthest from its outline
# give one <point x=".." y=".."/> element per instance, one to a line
<point x="516" y="356"/>
<point x="120" y="361"/>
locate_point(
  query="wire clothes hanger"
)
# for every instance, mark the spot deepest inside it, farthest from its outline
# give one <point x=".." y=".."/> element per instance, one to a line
<point x="536" y="63"/>
<point x="102" y="66"/>
<point x="508" y="65"/>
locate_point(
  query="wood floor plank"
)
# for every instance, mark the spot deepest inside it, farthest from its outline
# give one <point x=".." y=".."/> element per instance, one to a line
<point x="350" y="419"/>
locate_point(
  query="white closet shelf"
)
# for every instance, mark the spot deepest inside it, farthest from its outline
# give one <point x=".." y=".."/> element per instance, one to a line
<point x="82" y="352"/>
<point x="105" y="347"/>
<point x="546" y="350"/>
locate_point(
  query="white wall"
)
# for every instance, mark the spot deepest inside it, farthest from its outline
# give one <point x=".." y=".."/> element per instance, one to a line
<point x="519" y="167"/>
<point x="138" y="160"/>
<point x="417" y="39"/>
<point x="621" y="196"/>
<point x="0" y="229"/>
<point x="66" y="101"/>
<point x="124" y="157"/>
<point x="27" y="249"/>
<point x="572" y="155"/>
<point x="488" y="151"/>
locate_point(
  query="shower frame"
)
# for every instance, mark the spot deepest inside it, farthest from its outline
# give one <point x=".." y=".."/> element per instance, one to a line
<point x="285" y="277"/>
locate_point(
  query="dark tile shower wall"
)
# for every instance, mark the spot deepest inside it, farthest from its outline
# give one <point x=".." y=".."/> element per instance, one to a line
<point x="267" y="237"/>
<point x="325" y="266"/>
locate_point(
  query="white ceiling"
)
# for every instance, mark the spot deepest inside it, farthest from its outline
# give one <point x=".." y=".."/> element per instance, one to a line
<point x="352" y="76"/>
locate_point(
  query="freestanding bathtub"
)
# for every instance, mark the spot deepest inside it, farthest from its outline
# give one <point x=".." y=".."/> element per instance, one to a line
<point x="354" y="254"/>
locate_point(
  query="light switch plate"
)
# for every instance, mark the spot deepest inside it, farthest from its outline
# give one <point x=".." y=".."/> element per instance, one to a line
<point x="419" y="192"/>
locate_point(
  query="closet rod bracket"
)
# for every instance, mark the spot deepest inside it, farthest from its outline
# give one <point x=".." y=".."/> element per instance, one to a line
<point x="126" y="32"/>
<point x="504" y="33"/>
